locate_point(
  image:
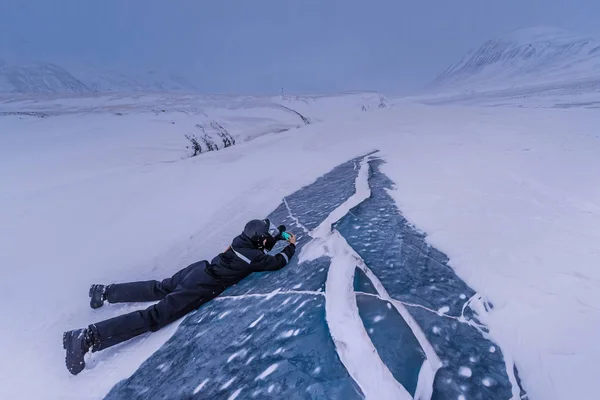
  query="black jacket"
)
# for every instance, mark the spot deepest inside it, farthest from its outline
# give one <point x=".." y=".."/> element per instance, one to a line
<point x="243" y="257"/>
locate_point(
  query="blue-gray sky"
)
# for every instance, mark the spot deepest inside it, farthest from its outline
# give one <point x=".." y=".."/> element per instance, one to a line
<point x="258" y="46"/>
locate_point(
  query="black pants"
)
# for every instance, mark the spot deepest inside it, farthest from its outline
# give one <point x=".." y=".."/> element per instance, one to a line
<point x="185" y="291"/>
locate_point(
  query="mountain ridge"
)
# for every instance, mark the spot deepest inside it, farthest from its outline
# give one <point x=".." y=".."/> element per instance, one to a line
<point x="46" y="77"/>
<point x="524" y="57"/>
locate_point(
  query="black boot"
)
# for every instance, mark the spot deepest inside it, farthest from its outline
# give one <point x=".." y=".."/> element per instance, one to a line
<point x="97" y="296"/>
<point x="77" y="343"/>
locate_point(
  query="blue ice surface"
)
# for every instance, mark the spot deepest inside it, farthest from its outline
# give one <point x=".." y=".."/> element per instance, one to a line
<point x="414" y="272"/>
<point x="204" y="345"/>
<point x="310" y="205"/>
<point x="313" y="203"/>
<point x="223" y="344"/>
<point x="394" y="340"/>
<point x="267" y="337"/>
<point x="362" y="283"/>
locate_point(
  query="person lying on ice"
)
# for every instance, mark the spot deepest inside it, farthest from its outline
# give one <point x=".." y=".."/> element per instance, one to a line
<point x="182" y="293"/>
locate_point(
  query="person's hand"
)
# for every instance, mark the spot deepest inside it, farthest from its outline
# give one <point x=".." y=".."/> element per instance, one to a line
<point x="292" y="239"/>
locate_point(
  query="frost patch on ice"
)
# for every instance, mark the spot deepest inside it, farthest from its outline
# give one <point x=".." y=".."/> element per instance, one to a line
<point x="200" y="386"/>
<point x="243" y="340"/>
<point x="378" y="318"/>
<point x="267" y="372"/>
<point x="235" y="394"/>
<point x="492" y="349"/>
<point x="487" y="382"/>
<point x="287" y="334"/>
<point x="240" y="353"/>
<point x="163" y="367"/>
<point x="256" y="321"/>
<point x="301" y="305"/>
<point x="228" y="383"/>
<point x="223" y="315"/>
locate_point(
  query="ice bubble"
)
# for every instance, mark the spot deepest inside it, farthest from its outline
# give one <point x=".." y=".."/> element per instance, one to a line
<point x="465" y="371"/>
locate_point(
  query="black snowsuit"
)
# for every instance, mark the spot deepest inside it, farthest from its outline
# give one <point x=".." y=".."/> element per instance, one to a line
<point x="185" y="291"/>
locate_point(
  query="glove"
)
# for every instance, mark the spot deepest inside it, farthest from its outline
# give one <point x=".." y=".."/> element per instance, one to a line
<point x="281" y="229"/>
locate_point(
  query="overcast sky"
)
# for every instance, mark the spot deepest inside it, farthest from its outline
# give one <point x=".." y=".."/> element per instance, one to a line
<point x="259" y="46"/>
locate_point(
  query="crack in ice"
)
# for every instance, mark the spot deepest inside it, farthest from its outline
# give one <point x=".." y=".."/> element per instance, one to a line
<point x="294" y="218"/>
<point x="461" y="319"/>
<point x="353" y="344"/>
<point x="424" y="388"/>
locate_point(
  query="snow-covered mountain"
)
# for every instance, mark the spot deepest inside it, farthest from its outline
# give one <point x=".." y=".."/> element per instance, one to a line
<point x="44" y="77"/>
<point x="522" y="58"/>
<point x="108" y="80"/>
<point x="38" y="77"/>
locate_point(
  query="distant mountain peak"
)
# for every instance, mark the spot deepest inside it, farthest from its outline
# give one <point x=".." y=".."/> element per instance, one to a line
<point x="539" y="33"/>
<point x="38" y="77"/>
<point x="522" y="57"/>
<point x="45" y="77"/>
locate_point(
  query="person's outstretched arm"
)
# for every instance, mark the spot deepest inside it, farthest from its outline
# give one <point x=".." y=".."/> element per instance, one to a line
<point x="272" y="241"/>
<point x="267" y="262"/>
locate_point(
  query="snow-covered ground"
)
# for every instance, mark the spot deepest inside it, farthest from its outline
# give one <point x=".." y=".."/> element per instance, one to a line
<point x="510" y="194"/>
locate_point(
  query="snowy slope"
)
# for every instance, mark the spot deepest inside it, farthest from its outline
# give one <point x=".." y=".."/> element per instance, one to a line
<point x="176" y="115"/>
<point x="43" y="77"/>
<point x="38" y="77"/>
<point x="87" y="196"/>
<point x="165" y="82"/>
<point x="526" y="57"/>
<point x="108" y="80"/>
